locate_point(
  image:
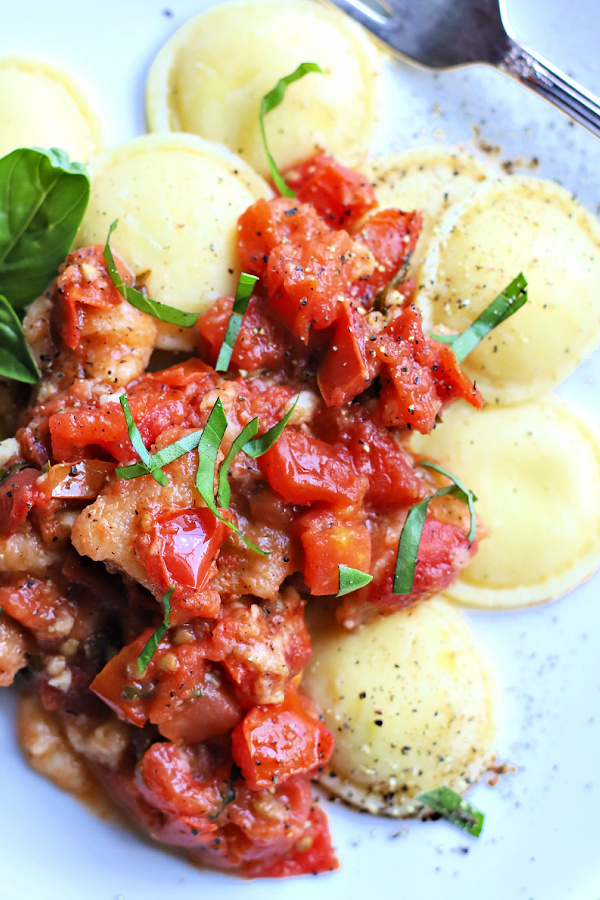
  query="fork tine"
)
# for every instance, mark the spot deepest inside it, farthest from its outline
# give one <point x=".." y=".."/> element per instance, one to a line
<point x="377" y="23"/>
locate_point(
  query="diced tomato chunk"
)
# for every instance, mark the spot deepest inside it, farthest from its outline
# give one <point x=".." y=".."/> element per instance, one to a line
<point x="391" y="236"/>
<point x="270" y="222"/>
<point x="329" y="542"/>
<point x="192" y="371"/>
<point x="76" y="481"/>
<point x="348" y="367"/>
<point x="307" y="281"/>
<point x="121" y="685"/>
<point x="167" y="778"/>
<point x="183" y="546"/>
<point x="18" y="493"/>
<point x="339" y="194"/>
<point x="260" y="342"/>
<point x="273" y="743"/>
<point x="393" y="480"/>
<point x="312" y="854"/>
<point x="304" y="470"/>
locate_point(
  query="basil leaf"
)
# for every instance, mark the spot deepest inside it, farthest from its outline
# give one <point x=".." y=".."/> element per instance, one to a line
<point x="208" y="450"/>
<point x="139" y="446"/>
<point x="453" y="808"/>
<point x="351" y="580"/>
<point x="224" y="491"/>
<point x="43" y="197"/>
<point x="140" y="301"/>
<point x="260" y="445"/>
<point x="269" y="102"/>
<point x="499" y="310"/>
<point x="410" y="538"/>
<point x="16" y="360"/>
<point x="240" y="305"/>
<point x="154" y="640"/>
<point x="161" y="457"/>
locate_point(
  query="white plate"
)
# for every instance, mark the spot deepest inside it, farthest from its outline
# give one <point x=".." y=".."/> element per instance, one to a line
<point x="542" y="830"/>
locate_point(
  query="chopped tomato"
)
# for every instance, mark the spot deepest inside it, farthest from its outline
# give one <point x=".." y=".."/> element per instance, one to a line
<point x="350" y="363"/>
<point x="192" y="371"/>
<point x="260" y="342"/>
<point x="76" y="481"/>
<point x="307" y="281"/>
<point x="329" y="542"/>
<point x="340" y="195"/>
<point x="391" y="236"/>
<point x="312" y="854"/>
<point x="268" y="223"/>
<point x="273" y="743"/>
<point x="393" y="480"/>
<point x="305" y="470"/>
<point x="18" y="493"/>
<point x="40" y="606"/>
<point x="183" y="546"/>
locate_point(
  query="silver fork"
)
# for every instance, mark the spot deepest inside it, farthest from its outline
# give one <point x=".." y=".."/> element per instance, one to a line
<point x="442" y="34"/>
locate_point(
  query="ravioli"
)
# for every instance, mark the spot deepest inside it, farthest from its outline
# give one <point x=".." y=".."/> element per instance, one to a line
<point x="431" y="179"/>
<point x="43" y="107"/>
<point x="535" y="468"/>
<point x="177" y="199"/>
<point x="411" y="700"/>
<point x="210" y="77"/>
<point x="502" y="228"/>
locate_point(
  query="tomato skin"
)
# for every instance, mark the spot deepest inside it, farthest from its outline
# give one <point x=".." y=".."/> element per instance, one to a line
<point x="340" y="195"/>
<point x="18" y="494"/>
<point x="328" y="542"/>
<point x="348" y="367"/>
<point x="270" y="222"/>
<point x="260" y="342"/>
<point x="183" y="546"/>
<point x="273" y="743"/>
<point x="391" y="236"/>
<point x="307" y="280"/>
<point x="305" y="470"/>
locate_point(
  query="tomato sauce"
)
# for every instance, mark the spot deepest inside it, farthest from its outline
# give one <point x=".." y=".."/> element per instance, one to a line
<point x="222" y="742"/>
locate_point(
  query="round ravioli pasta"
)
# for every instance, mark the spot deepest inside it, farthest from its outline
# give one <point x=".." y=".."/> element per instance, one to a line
<point x="535" y="468"/>
<point x="43" y="107"/>
<point x="210" y="77"/>
<point x="411" y="700"/>
<point x="177" y="199"/>
<point x="427" y="178"/>
<point x="502" y="228"/>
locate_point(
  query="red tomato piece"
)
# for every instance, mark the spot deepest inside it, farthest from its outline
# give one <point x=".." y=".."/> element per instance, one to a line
<point x="260" y="343"/>
<point x="18" y="493"/>
<point x="183" y="546"/>
<point x="329" y="542"/>
<point x="340" y="195"/>
<point x="306" y="281"/>
<point x="393" y="480"/>
<point x="83" y="281"/>
<point x="270" y="222"/>
<point x="192" y="371"/>
<point x="121" y="685"/>
<point x="77" y="481"/>
<point x="39" y="606"/>
<point x="350" y="364"/>
<point x="169" y="783"/>
<point x="391" y="236"/>
<point x="273" y="743"/>
<point x="311" y="855"/>
<point x="304" y="470"/>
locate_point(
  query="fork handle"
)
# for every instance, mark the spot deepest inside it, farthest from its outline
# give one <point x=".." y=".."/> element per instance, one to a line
<point x="552" y="85"/>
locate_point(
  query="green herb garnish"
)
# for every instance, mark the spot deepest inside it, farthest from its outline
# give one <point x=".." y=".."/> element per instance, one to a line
<point x="499" y="310"/>
<point x="139" y="446"/>
<point x="16" y="359"/>
<point x="240" y="305"/>
<point x="260" y="445"/>
<point x="269" y="102"/>
<point x="154" y="640"/>
<point x="161" y="457"/>
<point x="408" y="546"/>
<point x="224" y="491"/>
<point x="453" y="808"/>
<point x="140" y="301"/>
<point x="351" y="580"/>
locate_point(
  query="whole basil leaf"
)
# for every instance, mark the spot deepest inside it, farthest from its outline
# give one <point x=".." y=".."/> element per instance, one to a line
<point x="43" y="197"/>
<point x="16" y="360"/>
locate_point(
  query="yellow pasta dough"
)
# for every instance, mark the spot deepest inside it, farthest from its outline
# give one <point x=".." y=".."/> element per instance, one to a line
<point x="42" y="106"/>
<point x="177" y="199"/>
<point x="502" y="228"/>
<point x="411" y="700"/>
<point x="535" y="468"/>
<point x="210" y="77"/>
<point x="427" y="178"/>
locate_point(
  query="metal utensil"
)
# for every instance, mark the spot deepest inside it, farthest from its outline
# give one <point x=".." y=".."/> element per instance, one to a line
<point x="442" y="34"/>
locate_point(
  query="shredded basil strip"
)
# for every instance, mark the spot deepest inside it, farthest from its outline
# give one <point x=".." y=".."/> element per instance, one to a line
<point x="260" y="445"/>
<point x="269" y="102"/>
<point x="208" y="450"/>
<point x="16" y="360"/>
<point x="410" y="538"/>
<point x="162" y="457"/>
<point x="351" y="580"/>
<point x="154" y="640"/>
<point x="140" y="301"/>
<point x="240" y="305"/>
<point x="224" y="491"/>
<point x="499" y="310"/>
<point x="139" y="446"/>
<point x="453" y="808"/>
